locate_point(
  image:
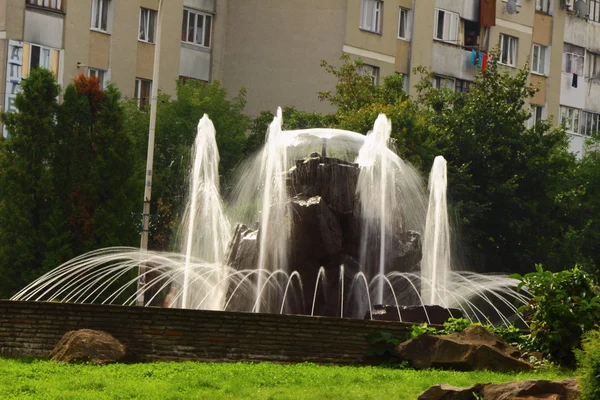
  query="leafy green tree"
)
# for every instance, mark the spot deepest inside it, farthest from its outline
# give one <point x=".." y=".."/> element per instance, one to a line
<point x="26" y="181"/>
<point x="504" y="179"/>
<point x="176" y="128"/>
<point x="359" y="102"/>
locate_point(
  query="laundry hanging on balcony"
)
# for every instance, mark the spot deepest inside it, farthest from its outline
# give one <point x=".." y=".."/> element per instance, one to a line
<point x="479" y="59"/>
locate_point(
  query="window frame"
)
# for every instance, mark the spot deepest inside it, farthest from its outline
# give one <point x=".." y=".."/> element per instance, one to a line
<point x="448" y="17"/>
<point x="406" y="21"/>
<point x="594" y="126"/>
<point x="444" y="82"/>
<point x="543" y="6"/>
<point x="101" y="8"/>
<point x="137" y="93"/>
<point x="372" y="71"/>
<point x="371" y="16"/>
<point x="569" y="56"/>
<point x="593" y="10"/>
<point x="462" y="85"/>
<point x="101" y="74"/>
<point x="592" y="69"/>
<point x="542" y="54"/>
<point x="185" y="28"/>
<point x="511" y="59"/>
<point x="52" y="5"/>
<point x="149" y="35"/>
<point x="573" y="116"/>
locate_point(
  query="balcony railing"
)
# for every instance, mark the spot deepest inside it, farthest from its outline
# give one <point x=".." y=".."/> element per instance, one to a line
<point x="54" y="5"/>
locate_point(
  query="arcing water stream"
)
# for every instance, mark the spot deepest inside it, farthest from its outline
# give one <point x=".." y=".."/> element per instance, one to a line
<point x="391" y="205"/>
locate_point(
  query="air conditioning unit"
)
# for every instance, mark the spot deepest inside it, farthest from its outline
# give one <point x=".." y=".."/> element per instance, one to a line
<point x="567" y="4"/>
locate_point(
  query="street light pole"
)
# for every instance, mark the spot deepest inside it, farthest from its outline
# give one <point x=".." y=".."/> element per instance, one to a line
<point x="150" y="155"/>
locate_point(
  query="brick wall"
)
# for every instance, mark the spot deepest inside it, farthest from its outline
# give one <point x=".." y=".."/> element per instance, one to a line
<point x="31" y="329"/>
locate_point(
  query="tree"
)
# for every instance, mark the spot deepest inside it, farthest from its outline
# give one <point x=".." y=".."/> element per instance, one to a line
<point x="503" y="178"/>
<point x="176" y="129"/>
<point x="26" y="181"/>
<point x="65" y="176"/>
<point x="360" y="101"/>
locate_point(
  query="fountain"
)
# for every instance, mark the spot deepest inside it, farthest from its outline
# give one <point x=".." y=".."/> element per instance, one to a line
<point x="327" y="222"/>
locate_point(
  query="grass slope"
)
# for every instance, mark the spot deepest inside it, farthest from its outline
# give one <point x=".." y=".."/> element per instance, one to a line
<point x="34" y="379"/>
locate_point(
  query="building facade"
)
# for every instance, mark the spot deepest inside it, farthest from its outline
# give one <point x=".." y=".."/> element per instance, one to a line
<point x="274" y="48"/>
<point x="113" y="40"/>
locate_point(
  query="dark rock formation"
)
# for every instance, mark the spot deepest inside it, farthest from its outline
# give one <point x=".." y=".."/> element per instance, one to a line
<point x="449" y="392"/>
<point x="325" y="231"/>
<point x="521" y="390"/>
<point x="417" y="314"/>
<point x="87" y="345"/>
<point x="475" y="348"/>
<point x="242" y="251"/>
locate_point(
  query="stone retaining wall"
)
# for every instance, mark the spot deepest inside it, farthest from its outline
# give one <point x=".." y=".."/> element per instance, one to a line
<point x="31" y="329"/>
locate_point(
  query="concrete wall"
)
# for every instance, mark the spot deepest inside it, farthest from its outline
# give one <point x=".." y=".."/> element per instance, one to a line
<point x="452" y="61"/>
<point x="422" y="39"/>
<point x="29" y="329"/>
<point x="274" y="49"/>
<point x="43" y="27"/>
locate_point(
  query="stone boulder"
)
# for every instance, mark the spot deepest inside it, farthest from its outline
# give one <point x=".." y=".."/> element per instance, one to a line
<point x="475" y="348"/>
<point x="520" y="390"/>
<point x="87" y="345"/>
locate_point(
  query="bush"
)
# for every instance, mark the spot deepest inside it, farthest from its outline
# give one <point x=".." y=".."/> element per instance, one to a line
<point x="588" y="359"/>
<point x="564" y="305"/>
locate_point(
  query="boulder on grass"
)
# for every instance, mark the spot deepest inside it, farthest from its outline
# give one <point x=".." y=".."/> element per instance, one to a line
<point x="449" y="392"/>
<point x="475" y="348"/>
<point x="520" y="390"/>
<point x="87" y="345"/>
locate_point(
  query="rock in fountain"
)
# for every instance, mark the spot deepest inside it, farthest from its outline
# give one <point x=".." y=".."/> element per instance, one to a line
<point x="325" y="232"/>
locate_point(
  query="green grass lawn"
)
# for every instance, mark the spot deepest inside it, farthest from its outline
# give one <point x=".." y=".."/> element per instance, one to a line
<point x="27" y="379"/>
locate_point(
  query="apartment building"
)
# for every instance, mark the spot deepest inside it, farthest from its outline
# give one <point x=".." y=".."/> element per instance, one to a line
<point x="561" y="39"/>
<point x="113" y="40"/>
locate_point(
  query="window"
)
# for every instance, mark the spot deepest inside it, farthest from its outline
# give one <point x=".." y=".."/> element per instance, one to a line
<point x="537" y="114"/>
<point x="147" y="25"/>
<point x="508" y="50"/>
<point x="443" y="82"/>
<point x="51" y="4"/>
<point x="471" y="34"/>
<point x="594" y="10"/>
<point x="100" y="14"/>
<point x="593" y="69"/>
<point x="371" y="71"/>
<point x="462" y="86"/>
<point x="538" y="59"/>
<point x="542" y="6"/>
<point x="35" y="56"/>
<point x="100" y="74"/>
<point x="446" y="26"/>
<point x="196" y="28"/>
<point x="143" y="92"/>
<point x="590" y="123"/>
<point x="569" y="117"/>
<point x="403" y="21"/>
<point x="370" y="19"/>
<point x="573" y="59"/>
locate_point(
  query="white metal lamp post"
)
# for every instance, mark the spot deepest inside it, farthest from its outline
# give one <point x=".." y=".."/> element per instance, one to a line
<point x="150" y="155"/>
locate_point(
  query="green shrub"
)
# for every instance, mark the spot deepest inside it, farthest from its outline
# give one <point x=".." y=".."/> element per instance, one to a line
<point x="588" y="359"/>
<point x="563" y="306"/>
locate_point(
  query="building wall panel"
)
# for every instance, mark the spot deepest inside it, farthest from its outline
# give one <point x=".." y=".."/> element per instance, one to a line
<point x="452" y="61"/>
<point x="194" y="64"/>
<point x="43" y="28"/>
<point x="276" y="54"/>
<point x="99" y="50"/>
